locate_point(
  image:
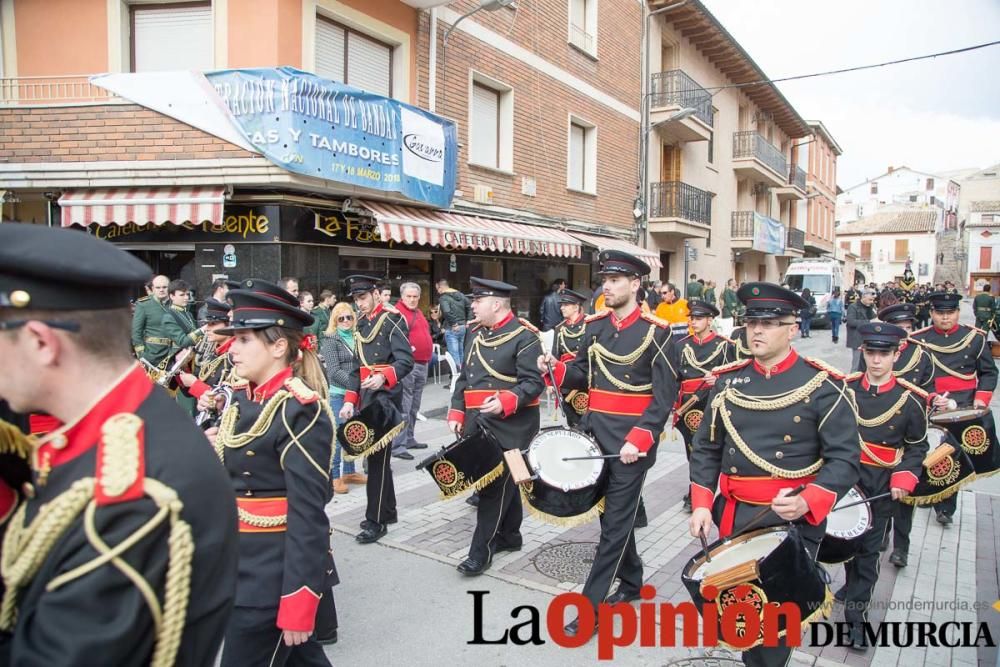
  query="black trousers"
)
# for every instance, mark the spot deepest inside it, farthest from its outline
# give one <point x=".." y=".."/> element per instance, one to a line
<point x="498" y="518"/>
<point x="947" y="506"/>
<point x="380" y="488"/>
<point x="253" y="640"/>
<point x="902" y="523"/>
<point x="862" y="570"/>
<point x="326" y="615"/>
<point x="617" y="557"/>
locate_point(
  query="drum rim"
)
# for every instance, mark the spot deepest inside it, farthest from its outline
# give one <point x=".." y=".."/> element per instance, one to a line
<point x="546" y="434"/>
<point x="865" y="511"/>
<point x="699" y="559"/>
<point x="942" y="416"/>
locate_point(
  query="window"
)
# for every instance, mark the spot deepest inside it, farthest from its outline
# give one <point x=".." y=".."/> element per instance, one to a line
<point x="711" y="147"/>
<point x="583" y="25"/>
<point x="987" y="217"/>
<point x="581" y="158"/>
<point x="846" y="245"/>
<point x="874" y="188"/>
<point x="171" y="37"/>
<point x="351" y="57"/>
<point x="901" y="251"/>
<point x="930" y="184"/>
<point x="985" y="257"/>
<point x="491" y="124"/>
<point x="866" y="250"/>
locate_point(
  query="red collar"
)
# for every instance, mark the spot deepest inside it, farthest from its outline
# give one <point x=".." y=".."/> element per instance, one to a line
<point x="903" y="344"/>
<point x="224" y="347"/>
<point x="947" y="333"/>
<point x="882" y="388"/>
<point x="779" y="367"/>
<point x="502" y="323"/>
<point x="627" y="321"/>
<point x="264" y="391"/>
<point x="73" y="439"/>
<point x="707" y="339"/>
<point x="580" y="318"/>
<point x="375" y="311"/>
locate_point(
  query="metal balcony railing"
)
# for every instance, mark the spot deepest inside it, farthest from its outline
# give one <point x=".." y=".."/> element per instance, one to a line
<point x="797" y="177"/>
<point x="52" y="90"/>
<point x="742" y="225"/>
<point x="675" y="88"/>
<point x="752" y="145"/>
<point x="796" y="239"/>
<point x="673" y="199"/>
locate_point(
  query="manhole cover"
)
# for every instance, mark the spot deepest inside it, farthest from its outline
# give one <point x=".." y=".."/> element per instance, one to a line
<point x="706" y="661"/>
<point x="567" y="562"/>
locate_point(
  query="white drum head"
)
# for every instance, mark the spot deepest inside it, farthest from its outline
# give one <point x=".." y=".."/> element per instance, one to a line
<point x="546" y="453"/>
<point x="851" y="522"/>
<point x="936" y="437"/>
<point x="753" y="548"/>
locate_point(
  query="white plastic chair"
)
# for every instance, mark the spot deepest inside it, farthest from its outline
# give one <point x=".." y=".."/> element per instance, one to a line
<point x="436" y="354"/>
<point x="454" y="371"/>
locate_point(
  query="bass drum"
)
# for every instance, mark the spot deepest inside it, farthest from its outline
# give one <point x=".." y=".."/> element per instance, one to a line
<point x="844" y="528"/>
<point x="946" y="469"/>
<point x="564" y="492"/>
<point x="975" y="431"/>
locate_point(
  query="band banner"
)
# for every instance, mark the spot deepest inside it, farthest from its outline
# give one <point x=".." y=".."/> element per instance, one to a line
<point x="768" y="235"/>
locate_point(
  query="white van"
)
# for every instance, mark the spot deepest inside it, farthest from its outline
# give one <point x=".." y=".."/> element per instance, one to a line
<point x="820" y="275"/>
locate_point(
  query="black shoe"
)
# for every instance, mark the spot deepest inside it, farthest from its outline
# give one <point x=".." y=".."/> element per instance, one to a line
<point x="622" y="596"/>
<point x="473" y="500"/>
<point x="857" y="639"/>
<point x="841" y="594"/>
<point x="403" y="454"/>
<point x="471" y="567"/>
<point x="328" y="638"/>
<point x="372" y="533"/>
<point x="898" y="558"/>
<point x="687" y="503"/>
<point x="944" y="519"/>
<point x="417" y="445"/>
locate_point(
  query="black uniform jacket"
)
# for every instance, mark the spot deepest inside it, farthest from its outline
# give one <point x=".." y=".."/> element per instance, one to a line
<point x="963" y="363"/>
<point x="382" y="345"/>
<point x="501" y="360"/>
<point x="133" y="443"/>
<point x="696" y="358"/>
<point x="629" y="368"/>
<point x="741" y="349"/>
<point x="892" y="422"/>
<point x="276" y="441"/>
<point x="914" y="365"/>
<point x="566" y="340"/>
<point x="766" y="429"/>
<point x="213" y="372"/>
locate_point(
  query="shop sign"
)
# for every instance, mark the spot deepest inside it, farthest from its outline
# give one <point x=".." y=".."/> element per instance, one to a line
<point x="474" y="241"/>
<point x="353" y="230"/>
<point x="239" y="224"/>
<point x="321" y="128"/>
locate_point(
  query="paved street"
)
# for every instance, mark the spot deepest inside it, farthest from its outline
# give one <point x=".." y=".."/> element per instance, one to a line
<point x="402" y="600"/>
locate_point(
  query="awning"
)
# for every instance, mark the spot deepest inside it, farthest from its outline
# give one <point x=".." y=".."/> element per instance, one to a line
<point x="406" y="224"/>
<point x="143" y="206"/>
<point x="651" y="257"/>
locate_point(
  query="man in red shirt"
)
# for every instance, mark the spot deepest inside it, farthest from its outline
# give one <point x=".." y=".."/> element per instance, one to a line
<point x="413" y="384"/>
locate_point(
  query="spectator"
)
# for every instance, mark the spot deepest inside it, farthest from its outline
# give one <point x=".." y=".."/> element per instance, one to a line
<point x="385" y="294"/>
<point x="653" y="294"/>
<point x="730" y="308"/>
<point x="290" y="285"/>
<point x="306" y="301"/>
<point x="456" y="312"/>
<point x="858" y="313"/>
<point x="337" y="348"/>
<point x="835" y="311"/>
<point x="322" y="310"/>
<point x="219" y="291"/>
<point x="415" y="380"/>
<point x="694" y="288"/>
<point x="437" y="328"/>
<point x="551" y="315"/>
<point x="673" y="309"/>
<point x="806" y="315"/>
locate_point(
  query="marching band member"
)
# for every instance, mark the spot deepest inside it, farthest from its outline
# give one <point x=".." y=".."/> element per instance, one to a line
<point x="626" y="361"/>
<point x="211" y="370"/>
<point x="497" y="388"/>
<point x="892" y="422"/>
<point x="565" y="343"/>
<point x="276" y="442"/>
<point x="774" y="422"/>
<point x="383" y="349"/>
<point x="126" y="470"/>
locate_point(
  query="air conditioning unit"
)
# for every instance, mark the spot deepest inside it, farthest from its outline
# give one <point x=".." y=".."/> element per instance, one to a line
<point x="482" y="194"/>
<point x="528" y="186"/>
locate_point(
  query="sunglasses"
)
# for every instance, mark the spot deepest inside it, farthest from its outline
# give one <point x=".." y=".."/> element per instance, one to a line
<point x="346" y="318"/>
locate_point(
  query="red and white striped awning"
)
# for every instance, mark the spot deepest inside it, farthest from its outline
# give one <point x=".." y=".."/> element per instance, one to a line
<point x="143" y="206"/>
<point x="651" y="257"/>
<point x="406" y="224"/>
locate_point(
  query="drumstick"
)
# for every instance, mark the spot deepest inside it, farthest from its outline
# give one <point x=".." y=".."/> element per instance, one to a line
<point x="761" y="514"/>
<point x="704" y="545"/>
<point x="862" y="502"/>
<point x="555" y="387"/>
<point x="601" y="456"/>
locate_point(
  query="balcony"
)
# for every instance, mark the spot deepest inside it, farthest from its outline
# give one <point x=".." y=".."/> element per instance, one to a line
<point x="755" y="158"/>
<point x="795" y="188"/>
<point x="669" y="93"/>
<point x="795" y="244"/>
<point x="817" y="245"/>
<point x="71" y="90"/>
<point x="753" y="231"/>
<point x="679" y="209"/>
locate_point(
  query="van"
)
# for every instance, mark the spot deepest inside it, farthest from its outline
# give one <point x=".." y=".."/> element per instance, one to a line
<point x="821" y="275"/>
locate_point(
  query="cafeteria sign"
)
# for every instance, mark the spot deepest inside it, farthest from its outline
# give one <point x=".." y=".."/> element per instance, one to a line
<point x="321" y="128"/>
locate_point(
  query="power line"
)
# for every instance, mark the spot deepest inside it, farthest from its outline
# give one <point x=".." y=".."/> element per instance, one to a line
<point x="855" y="69"/>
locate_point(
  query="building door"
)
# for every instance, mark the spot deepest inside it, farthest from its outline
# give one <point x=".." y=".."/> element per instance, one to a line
<point x="738" y="272"/>
<point x="665" y="269"/>
<point x="761" y="272"/>
<point x="670" y="167"/>
<point x="986" y="258"/>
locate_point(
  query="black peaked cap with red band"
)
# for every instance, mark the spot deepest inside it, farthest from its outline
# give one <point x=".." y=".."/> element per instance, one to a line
<point x="259" y="308"/>
<point x="765" y="300"/>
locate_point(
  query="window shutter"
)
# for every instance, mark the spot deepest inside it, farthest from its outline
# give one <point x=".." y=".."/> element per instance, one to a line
<point x="329" y="50"/>
<point x="173" y="38"/>
<point x="902" y="249"/>
<point x="485" y="126"/>
<point x="866" y="250"/>
<point x="369" y="65"/>
<point x="577" y="150"/>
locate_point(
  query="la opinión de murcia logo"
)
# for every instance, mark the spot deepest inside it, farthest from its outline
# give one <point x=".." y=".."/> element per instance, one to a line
<point x="737" y="618"/>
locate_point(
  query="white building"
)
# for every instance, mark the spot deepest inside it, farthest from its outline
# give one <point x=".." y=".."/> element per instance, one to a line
<point x="886" y="240"/>
<point x="979" y="221"/>
<point x="900" y="186"/>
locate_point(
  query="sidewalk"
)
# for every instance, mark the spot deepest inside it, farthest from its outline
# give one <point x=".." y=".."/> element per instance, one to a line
<point x="402" y="601"/>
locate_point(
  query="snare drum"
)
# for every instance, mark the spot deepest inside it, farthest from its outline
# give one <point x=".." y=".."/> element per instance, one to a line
<point x="565" y="493"/>
<point x="975" y="432"/>
<point x="844" y="528"/>
<point x="471" y="462"/>
<point x="762" y="567"/>
<point x="370" y="430"/>
<point x="946" y="469"/>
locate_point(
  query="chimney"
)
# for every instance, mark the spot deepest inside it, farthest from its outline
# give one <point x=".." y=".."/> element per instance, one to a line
<point x="890" y="168"/>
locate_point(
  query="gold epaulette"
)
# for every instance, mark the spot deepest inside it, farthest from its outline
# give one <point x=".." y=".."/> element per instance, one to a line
<point x="120" y="472"/>
<point x="823" y="366"/>
<point x="239" y="383"/>
<point x="142" y="298"/>
<point x="853" y="376"/>
<point x="596" y="316"/>
<point x="914" y="388"/>
<point x="13" y="441"/>
<point x="528" y="325"/>
<point x="732" y="366"/>
<point x="301" y="391"/>
<point x="653" y="319"/>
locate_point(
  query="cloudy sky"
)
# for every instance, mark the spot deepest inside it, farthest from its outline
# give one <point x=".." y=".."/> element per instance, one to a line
<point x="930" y="115"/>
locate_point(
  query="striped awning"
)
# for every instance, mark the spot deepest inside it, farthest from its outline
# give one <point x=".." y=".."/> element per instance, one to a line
<point x="143" y="206"/>
<point x="406" y="224"/>
<point x="651" y="257"/>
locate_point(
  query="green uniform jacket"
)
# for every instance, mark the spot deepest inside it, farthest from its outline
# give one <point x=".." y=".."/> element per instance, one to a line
<point x="322" y="315"/>
<point x="982" y="306"/>
<point x="148" y="338"/>
<point x="730" y="303"/>
<point x="694" y="289"/>
<point x="183" y="333"/>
